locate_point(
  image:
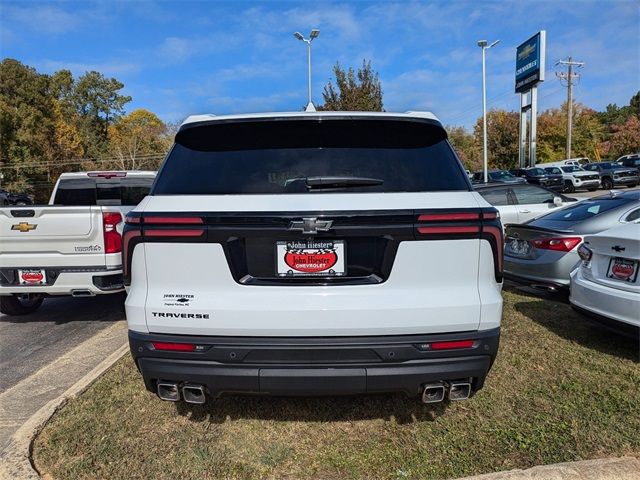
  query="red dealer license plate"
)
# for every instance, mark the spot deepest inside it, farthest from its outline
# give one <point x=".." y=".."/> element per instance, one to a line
<point x="623" y="269"/>
<point x="32" y="277"/>
<point x="310" y="258"/>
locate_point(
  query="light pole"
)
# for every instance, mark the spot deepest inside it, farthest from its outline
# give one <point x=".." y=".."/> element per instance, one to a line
<point x="483" y="44"/>
<point x="314" y="34"/>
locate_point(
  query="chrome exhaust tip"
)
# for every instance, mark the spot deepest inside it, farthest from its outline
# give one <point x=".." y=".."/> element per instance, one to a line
<point x="168" y="391"/>
<point x="433" y="392"/>
<point x="82" y="293"/>
<point x="194" y="394"/>
<point x="459" y="390"/>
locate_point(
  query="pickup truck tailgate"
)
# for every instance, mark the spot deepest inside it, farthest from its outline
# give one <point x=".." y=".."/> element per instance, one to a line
<point x="51" y="236"/>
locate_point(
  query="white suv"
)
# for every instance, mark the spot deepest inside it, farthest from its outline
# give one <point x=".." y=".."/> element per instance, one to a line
<point x="313" y="254"/>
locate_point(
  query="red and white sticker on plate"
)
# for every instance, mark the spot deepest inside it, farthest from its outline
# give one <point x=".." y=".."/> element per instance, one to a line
<point x="32" y="277"/>
<point x="310" y="258"/>
<point x="623" y="269"/>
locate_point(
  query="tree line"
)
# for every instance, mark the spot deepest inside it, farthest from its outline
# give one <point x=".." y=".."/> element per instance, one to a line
<point x="54" y="123"/>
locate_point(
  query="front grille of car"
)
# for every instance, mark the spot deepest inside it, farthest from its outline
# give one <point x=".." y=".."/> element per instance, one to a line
<point x="590" y="177"/>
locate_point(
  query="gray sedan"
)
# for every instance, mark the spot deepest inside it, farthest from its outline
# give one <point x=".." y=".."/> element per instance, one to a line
<point x="542" y="252"/>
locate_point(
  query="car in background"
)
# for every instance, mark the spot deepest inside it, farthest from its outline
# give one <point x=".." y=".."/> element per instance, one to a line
<point x="631" y="161"/>
<point x="497" y="176"/>
<point x="521" y="202"/>
<point x="613" y="175"/>
<point x="606" y="284"/>
<point x="8" y="198"/>
<point x="543" y="252"/>
<point x="575" y="177"/>
<point x="538" y="176"/>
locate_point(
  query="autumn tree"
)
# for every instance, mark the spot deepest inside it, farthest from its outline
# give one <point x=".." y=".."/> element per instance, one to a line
<point x="354" y="91"/>
<point x="502" y="138"/>
<point x="463" y="143"/>
<point x="625" y="138"/>
<point x="138" y="140"/>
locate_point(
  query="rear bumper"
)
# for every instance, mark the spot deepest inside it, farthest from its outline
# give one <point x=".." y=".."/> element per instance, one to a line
<point x="66" y="281"/>
<point x="314" y="366"/>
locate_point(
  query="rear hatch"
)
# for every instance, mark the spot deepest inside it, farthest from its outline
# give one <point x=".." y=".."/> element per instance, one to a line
<point x="51" y="236"/>
<point x="318" y="226"/>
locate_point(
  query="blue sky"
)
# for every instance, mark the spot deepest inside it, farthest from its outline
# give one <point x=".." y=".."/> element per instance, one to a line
<point x="179" y="58"/>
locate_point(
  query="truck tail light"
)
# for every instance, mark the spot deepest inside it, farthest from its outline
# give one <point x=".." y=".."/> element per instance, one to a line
<point x="112" y="239"/>
<point x="559" y="244"/>
<point x="452" y="345"/>
<point x="174" y="347"/>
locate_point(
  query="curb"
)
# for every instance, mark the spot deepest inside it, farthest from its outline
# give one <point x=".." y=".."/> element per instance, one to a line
<point x="623" y="468"/>
<point x="15" y="461"/>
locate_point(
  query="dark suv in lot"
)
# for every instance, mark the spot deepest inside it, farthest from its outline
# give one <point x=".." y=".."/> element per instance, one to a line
<point x="613" y="175"/>
<point x="7" y="198"/>
<point x="497" y="176"/>
<point x="538" y="176"/>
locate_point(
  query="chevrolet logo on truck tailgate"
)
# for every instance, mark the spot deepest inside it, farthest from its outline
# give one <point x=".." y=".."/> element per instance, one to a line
<point x="24" y="227"/>
<point x="311" y="226"/>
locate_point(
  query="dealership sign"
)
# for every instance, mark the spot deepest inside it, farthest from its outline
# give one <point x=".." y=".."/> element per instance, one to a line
<point x="530" y="62"/>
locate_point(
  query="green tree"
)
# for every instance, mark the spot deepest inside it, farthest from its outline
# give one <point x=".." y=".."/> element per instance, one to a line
<point x="99" y="105"/>
<point x="137" y="136"/>
<point x="359" y="91"/>
<point x="463" y="143"/>
<point x="502" y="138"/>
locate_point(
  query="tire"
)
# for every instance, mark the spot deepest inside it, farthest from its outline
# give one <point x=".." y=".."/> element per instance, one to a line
<point x="632" y="186"/>
<point x="607" y="184"/>
<point x="21" y="304"/>
<point x="592" y="189"/>
<point x="568" y="187"/>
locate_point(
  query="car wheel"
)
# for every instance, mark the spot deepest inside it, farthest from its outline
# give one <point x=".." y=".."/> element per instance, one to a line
<point x="607" y="184"/>
<point x="568" y="187"/>
<point x="632" y="186"/>
<point x="21" y="203"/>
<point x="21" y="304"/>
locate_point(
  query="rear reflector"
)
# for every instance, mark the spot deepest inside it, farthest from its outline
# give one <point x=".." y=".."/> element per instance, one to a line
<point x="448" y="217"/>
<point x="560" y="244"/>
<point x="452" y="345"/>
<point x="174" y="220"/>
<point x="174" y="347"/>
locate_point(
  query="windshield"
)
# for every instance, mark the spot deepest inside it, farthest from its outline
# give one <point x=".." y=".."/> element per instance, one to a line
<point x="572" y="168"/>
<point x="553" y="170"/>
<point x="501" y="175"/>
<point x="585" y="209"/>
<point x="536" y="171"/>
<point x="305" y="156"/>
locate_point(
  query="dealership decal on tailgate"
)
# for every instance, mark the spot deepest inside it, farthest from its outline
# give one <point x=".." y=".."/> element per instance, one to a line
<point x="32" y="277"/>
<point x="623" y="269"/>
<point x="312" y="257"/>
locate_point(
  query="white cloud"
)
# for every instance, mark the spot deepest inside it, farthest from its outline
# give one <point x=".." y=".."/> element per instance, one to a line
<point x="43" y="18"/>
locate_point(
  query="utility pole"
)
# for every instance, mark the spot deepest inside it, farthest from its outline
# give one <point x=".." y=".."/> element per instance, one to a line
<point x="569" y="76"/>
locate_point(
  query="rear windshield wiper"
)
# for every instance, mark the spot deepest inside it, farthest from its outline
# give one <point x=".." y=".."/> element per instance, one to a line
<point x="335" y="182"/>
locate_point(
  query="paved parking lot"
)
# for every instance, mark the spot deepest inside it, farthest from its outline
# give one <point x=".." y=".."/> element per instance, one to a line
<point x="32" y="346"/>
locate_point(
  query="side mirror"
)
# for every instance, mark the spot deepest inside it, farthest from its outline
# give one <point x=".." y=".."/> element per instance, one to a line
<point x="557" y="201"/>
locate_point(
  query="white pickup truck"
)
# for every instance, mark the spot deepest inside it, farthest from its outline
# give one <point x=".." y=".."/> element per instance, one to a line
<point x="71" y="246"/>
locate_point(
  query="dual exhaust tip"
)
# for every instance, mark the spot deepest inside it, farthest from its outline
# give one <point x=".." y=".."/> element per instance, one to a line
<point x="191" y="393"/>
<point x="436" y="391"/>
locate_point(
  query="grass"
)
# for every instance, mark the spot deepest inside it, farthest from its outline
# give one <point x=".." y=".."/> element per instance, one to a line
<point x="560" y="390"/>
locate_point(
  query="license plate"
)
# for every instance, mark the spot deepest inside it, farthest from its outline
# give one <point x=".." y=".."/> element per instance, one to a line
<point x="32" y="277"/>
<point x="518" y="248"/>
<point x="623" y="269"/>
<point x="310" y="258"/>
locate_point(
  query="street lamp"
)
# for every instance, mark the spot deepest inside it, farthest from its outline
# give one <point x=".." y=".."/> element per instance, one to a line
<point x="483" y="44"/>
<point x="314" y="34"/>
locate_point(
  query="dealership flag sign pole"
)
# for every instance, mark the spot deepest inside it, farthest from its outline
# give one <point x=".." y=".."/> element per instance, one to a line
<point x="530" y="67"/>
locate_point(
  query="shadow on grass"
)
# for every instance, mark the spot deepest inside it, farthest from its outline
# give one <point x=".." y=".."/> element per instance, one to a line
<point x="313" y="409"/>
<point x="580" y="329"/>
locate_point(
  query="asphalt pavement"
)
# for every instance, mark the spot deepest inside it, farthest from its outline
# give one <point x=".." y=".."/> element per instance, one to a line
<point x="30" y="342"/>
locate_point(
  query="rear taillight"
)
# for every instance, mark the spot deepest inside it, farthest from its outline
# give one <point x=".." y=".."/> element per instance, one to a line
<point x="560" y="244"/>
<point x="584" y="253"/>
<point x="112" y="239"/>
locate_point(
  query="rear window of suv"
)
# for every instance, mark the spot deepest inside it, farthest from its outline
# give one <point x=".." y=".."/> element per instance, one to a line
<point x="280" y="156"/>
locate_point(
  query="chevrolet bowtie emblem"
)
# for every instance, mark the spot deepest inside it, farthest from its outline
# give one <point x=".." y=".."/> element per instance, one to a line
<point x="526" y="51"/>
<point x="24" y="227"/>
<point x="311" y="226"/>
